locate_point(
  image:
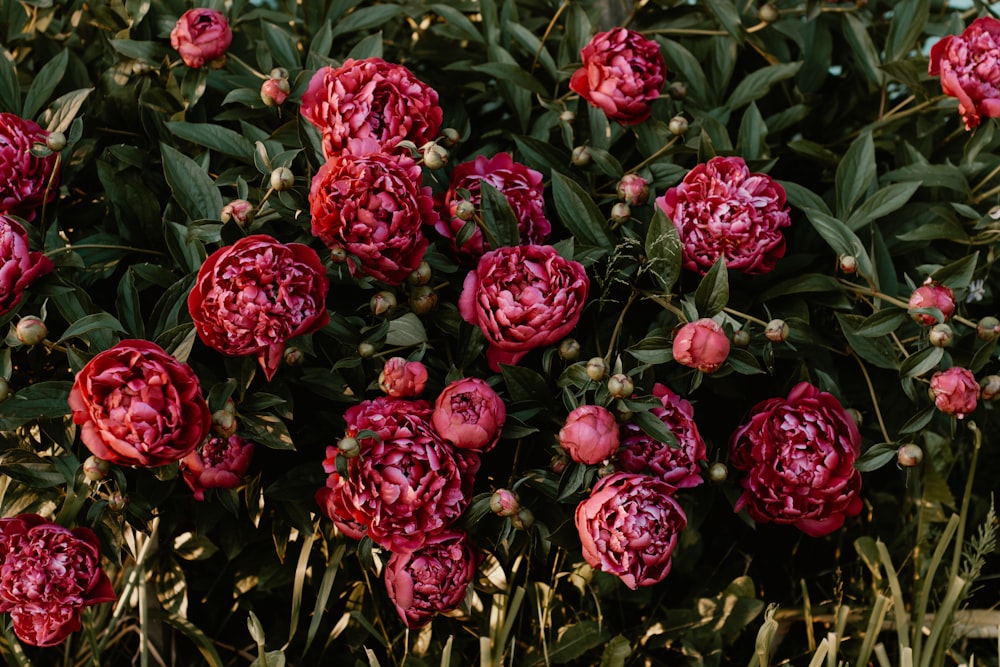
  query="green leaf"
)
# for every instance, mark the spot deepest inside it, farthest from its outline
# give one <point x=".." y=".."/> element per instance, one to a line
<point x="712" y="294"/>
<point x="855" y="173"/>
<point x="654" y="427"/>
<point x="369" y="47"/>
<point x="579" y="213"/>
<point x="863" y="49"/>
<point x="365" y="18"/>
<point x="841" y="239"/>
<point x="542" y="155"/>
<point x="61" y="113"/>
<point x="151" y="53"/>
<point x="575" y="640"/>
<point x="512" y="73"/>
<point x="129" y="306"/>
<point x="90" y="323"/>
<point x="45" y="84"/>
<point x="282" y="46"/>
<point x="876" y="456"/>
<point x="652" y="350"/>
<point x="728" y="17"/>
<point x="663" y="251"/>
<point x="616" y="651"/>
<point x="981" y="137"/>
<point x="42" y="400"/>
<point x="802" y="198"/>
<point x="690" y="72"/>
<point x="498" y="216"/>
<point x="921" y="362"/>
<point x="193" y="189"/>
<point x="458" y="21"/>
<point x="265" y="429"/>
<point x="10" y="89"/>
<point x="930" y="176"/>
<point x="216" y="137"/>
<point x="918" y="421"/>
<point x="757" y="84"/>
<point x="876" y="351"/>
<point x="957" y="275"/>
<point x="406" y="330"/>
<point x="752" y="139"/>
<point x="30" y="469"/>
<point x="887" y="200"/>
<point x="882" y="322"/>
<point x="525" y="385"/>
<point x="908" y="20"/>
<point x="805" y="283"/>
<point x="949" y="230"/>
<point x="192" y="632"/>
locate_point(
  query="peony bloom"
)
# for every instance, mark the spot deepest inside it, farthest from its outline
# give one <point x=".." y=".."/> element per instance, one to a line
<point x="955" y="391"/>
<point x="469" y="415"/>
<point x="633" y="189"/>
<point x="337" y="502"/>
<point x="138" y="406"/>
<point x="799" y="458"/>
<point x="521" y="185"/>
<point x="402" y="379"/>
<point x="629" y="527"/>
<point x="373" y="206"/>
<point x="254" y="295"/>
<point x="523" y="297"/>
<point x="48" y="573"/>
<point x="701" y="344"/>
<point x="202" y="35"/>
<point x="433" y="579"/>
<point x="370" y="99"/>
<point x="969" y="67"/>
<point x="932" y="295"/>
<point x="19" y="266"/>
<point x="678" y="466"/>
<point x="590" y="434"/>
<point x="722" y="210"/>
<point x="220" y="464"/>
<point x="622" y="73"/>
<point x="24" y="177"/>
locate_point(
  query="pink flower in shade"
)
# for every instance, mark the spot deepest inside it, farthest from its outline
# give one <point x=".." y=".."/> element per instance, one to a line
<point x="633" y="189"/>
<point x="722" y="210"/>
<point x="622" y="73"/>
<point x="48" y="573"/>
<point x="678" y="466"/>
<point x="799" y="456"/>
<point x="969" y="67"/>
<point x="523" y="297"/>
<point x="433" y="579"/>
<point x="138" y="406"/>
<point x="202" y="36"/>
<point x="521" y="185"/>
<point x="932" y="295"/>
<point x="373" y="99"/>
<point x="469" y="415"/>
<point x="590" y="434"/>
<point x="256" y="294"/>
<point x="955" y="391"/>
<point x="701" y="344"/>
<point x="373" y="206"/>
<point x="19" y="265"/>
<point x="384" y="416"/>
<point x="337" y="502"/>
<point x="402" y="379"/>
<point x="24" y="177"/>
<point x="220" y="464"/>
<point x="629" y="527"/>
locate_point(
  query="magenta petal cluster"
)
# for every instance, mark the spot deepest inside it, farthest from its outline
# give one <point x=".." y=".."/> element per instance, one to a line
<point x="932" y="294"/>
<point x="702" y="345"/>
<point x="523" y="297"/>
<point x="433" y="579"/>
<point x="798" y="455"/>
<point x="19" y="265"/>
<point x="48" y="573"/>
<point x="622" y="73"/>
<point x="201" y="36"/>
<point x="401" y="378"/>
<point x="24" y="177"/>
<point x="252" y="296"/>
<point x="969" y="67"/>
<point x="590" y="434"/>
<point x="219" y="464"/>
<point x="630" y="526"/>
<point x="955" y="391"/>
<point x="469" y="414"/>
<point x="723" y="211"/>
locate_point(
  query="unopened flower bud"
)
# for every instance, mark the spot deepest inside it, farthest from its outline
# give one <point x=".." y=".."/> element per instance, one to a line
<point x="569" y="349"/>
<point x="383" y="302"/>
<point x="581" y="156"/>
<point x="55" y="142"/>
<point x="741" y="338"/>
<point x="621" y="213"/>
<point x="239" y="210"/>
<point x="223" y="423"/>
<point x="256" y="629"/>
<point x="677" y="90"/>
<point x="768" y="13"/>
<point x="423" y="299"/>
<point x="848" y="264"/>
<point x="988" y="328"/>
<point x="678" y="126"/>
<point x="633" y="189"/>
<point x="450" y="137"/>
<point x="596" y="369"/>
<point x="366" y="350"/>
<point x="558" y="463"/>
<point x="282" y="179"/>
<point x="856" y="415"/>
<point x="349" y="447"/>
<point x="989" y="387"/>
<point x="465" y="210"/>
<point x="31" y="330"/>
<point x="909" y="455"/>
<point x="435" y="156"/>
<point x="338" y="255"/>
<point x="229" y="406"/>
<point x="776" y="331"/>
<point x="421" y="275"/>
<point x="279" y="73"/>
<point x="606" y="470"/>
<point x="523" y="520"/>
<point x="294" y="356"/>
<point x="567" y="116"/>
<point x="274" y="92"/>
<point x="95" y="469"/>
<point x="718" y="472"/>
<point x="5" y="390"/>
<point x="504" y="503"/>
<point x="620" y="386"/>
<point x="117" y="502"/>
<point x="940" y="335"/>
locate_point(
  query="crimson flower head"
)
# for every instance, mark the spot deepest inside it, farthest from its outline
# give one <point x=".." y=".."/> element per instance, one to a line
<point x="932" y="295"/>
<point x="24" y="177"/>
<point x="402" y="379"/>
<point x="219" y="464"/>
<point x="202" y="36"/>
<point x="969" y="67"/>
<point x="19" y="265"/>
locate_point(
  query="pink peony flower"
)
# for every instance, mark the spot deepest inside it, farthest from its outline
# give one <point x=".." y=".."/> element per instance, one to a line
<point x="523" y="297"/>
<point x="521" y="185"/>
<point x="24" y="177"/>
<point x="402" y="379"/>
<point x="932" y="295"/>
<point x="629" y="527"/>
<point x="373" y="206"/>
<point x="590" y="434"/>
<point x="202" y="35"/>
<point x="622" y="73"/>
<point x="386" y="417"/>
<point x="19" y="266"/>
<point x="433" y="579"/>
<point x="337" y="503"/>
<point x="373" y="99"/>
<point x="254" y="295"/>
<point x="701" y="344"/>
<point x="469" y="415"/>
<point x="969" y="67"/>
<point x="955" y="391"/>
<point x="633" y="189"/>
<point x="138" y="406"/>
<point x="721" y="210"/>
<point x="678" y="466"/>
<point x="799" y="458"/>
<point x="220" y="464"/>
<point x="48" y="573"/>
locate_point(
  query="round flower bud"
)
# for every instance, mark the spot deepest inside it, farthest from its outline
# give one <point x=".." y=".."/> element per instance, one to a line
<point x="701" y="344"/>
<point x="677" y="90"/>
<point x="633" y="189"/>
<point x="450" y="137"/>
<point x="274" y="92"/>
<point x="932" y="295"/>
<point x="239" y="210"/>
<point x="95" y="469"/>
<point x="621" y="213"/>
<point x="590" y="434"/>
<point x="776" y="331"/>
<point x="55" y="142"/>
<point x="229" y="406"/>
<point x="718" y="472"/>
<point x="848" y="264"/>
<point x="5" y="391"/>
<point x="606" y="470"/>
<point x="581" y="156"/>
<point x="293" y="356"/>
<point x="282" y="179"/>
<point x="569" y="349"/>
<point x="382" y="303"/>
<point x="223" y="423"/>
<point x="464" y="210"/>
<point x="435" y="156"/>
<point x="523" y="520"/>
<point x="349" y="447"/>
<point x="741" y="338"/>
<point x="620" y="386"/>
<point x="989" y="387"/>
<point x="279" y="73"/>
<point x="338" y="255"/>
<point x="988" y="328"/>
<point x="558" y="463"/>
<point x="117" y="501"/>
<point x="421" y="275"/>
<point x="504" y="503"/>
<point x="678" y="126"/>
<point x="366" y="350"/>
<point x="768" y="13"/>
<point x="940" y="335"/>
<point x="423" y="299"/>
<point x="909" y="455"/>
<point x="596" y="369"/>
<point x="31" y="330"/>
<point x="567" y="116"/>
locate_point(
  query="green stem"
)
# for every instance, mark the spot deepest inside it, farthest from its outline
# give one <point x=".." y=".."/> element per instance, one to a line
<point x="654" y="156"/>
<point x="977" y="442"/>
<point x="618" y="326"/>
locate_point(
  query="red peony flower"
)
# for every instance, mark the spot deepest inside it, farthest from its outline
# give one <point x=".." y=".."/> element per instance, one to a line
<point x="969" y="67"/>
<point x="721" y="210"/>
<point x="24" y="177"/>
<point x="629" y="527"/>
<point x="370" y="99"/>
<point x="387" y="417"/>
<point x="337" y="502"/>
<point x="523" y="297"/>
<point x="521" y="185"/>
<point x="254" y="295"/>
<point x="48" y="573"/>
<point x="138" y="406"/>
<point x="19" y="266"/>
<point x="432" y="579"/>
<point x="402" y="379"/>
<point x="932" y="295"/>
<point x="373" y="206"/>
<point x="799" y="458"/>
<point x="701" y="344"/>
<point x="622" y="73"/>
<point x="590" y="434"/>
<point x="469" y="415"/>
<point x="220" y="464"/>
<point x="678" y="466"/>
<point x="202" y="35"/>
<point x="955" y="391"/>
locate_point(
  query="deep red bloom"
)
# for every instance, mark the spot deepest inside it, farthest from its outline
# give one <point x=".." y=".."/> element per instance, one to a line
<point x="19" y="265"/>
<point x="969" y="67"/>
<point x="220" y="464"/>
<point x="24" y="177"/>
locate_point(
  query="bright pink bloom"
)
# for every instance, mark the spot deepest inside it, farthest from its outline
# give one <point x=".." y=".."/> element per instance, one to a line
<point x="633" y="189"/>
<point x="590" y="434"/>
<point x="220" y="464"/>
<point x="932" y="295"/>
<point x="722" y="210"/>
<point x="955" y="391"/>
<point x="19" y="265"/>
<point x="701" y="344"/>
<point x="402" y="379"/>
<point x="24" y="176"/>
<point x="469" y="415"/>
<point x="969" y="67"/>
<point x="622" y="73"/>
<point x="202" y="35"/>
<point x="799" y="456"/>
